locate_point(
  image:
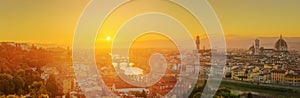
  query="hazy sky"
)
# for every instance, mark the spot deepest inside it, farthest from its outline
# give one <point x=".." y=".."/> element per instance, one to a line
<point x="259" y="17"/>
<point x="54" y="21"/>
<point x="50" y="21"/>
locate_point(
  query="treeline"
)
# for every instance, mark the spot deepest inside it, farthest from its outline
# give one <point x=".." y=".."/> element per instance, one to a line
<point x="220" y="93"/>
<point x="20" y="71"/>
<point x="259" y="87"/>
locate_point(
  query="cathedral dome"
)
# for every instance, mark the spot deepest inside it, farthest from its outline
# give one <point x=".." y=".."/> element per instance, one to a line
<point x="281" y="45"/>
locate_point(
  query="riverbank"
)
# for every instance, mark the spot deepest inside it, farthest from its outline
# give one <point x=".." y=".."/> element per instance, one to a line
<point x="239" y="87"/>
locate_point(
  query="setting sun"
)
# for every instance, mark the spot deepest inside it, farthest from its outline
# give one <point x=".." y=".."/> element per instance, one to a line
<point x="108" y="38"/>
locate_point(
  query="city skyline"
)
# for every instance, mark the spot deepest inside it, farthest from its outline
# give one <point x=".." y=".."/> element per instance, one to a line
<point x="268" y="42"/>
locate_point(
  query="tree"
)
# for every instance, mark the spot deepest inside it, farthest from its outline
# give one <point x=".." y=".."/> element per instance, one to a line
<point x="19" y="83"/>
<point x="6" y="84"/>
<point x="225" y="93"/>
<point x="35" y="88"/>
<point x="51" y="86"/>
<point x="249" y="95"/>
<point x="16" y="69"/>
<point x="20" y="72"/>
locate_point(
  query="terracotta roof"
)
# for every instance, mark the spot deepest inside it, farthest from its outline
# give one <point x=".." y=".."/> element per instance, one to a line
<point x="293" y="75"/>
<point x="278" y="71"/>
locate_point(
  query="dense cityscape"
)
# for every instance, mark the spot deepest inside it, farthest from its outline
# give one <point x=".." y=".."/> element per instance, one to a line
<point x="32" y="71"/>
<point x="266" y="66"/>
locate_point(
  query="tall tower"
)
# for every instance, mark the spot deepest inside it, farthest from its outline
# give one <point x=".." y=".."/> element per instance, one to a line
<point x="198" y="42"/>
<point x="256" y="47"/>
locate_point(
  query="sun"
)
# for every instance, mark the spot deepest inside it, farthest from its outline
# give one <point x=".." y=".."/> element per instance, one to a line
<point x="108" y="38"/>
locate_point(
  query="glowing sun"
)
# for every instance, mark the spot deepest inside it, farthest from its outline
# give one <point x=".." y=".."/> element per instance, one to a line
<point x="108" y="38"/>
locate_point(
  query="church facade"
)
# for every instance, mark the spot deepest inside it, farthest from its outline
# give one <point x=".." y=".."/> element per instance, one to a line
<point x="279" y="47"/>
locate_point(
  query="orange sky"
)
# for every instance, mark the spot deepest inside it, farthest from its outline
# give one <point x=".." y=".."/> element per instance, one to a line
<point x="54" y="21"/>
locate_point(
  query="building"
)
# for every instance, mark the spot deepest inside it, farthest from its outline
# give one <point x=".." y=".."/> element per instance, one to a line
<point x="198" y="42"/>
<point x="292" y="79"/>
<point x="278" y="76"/>
<point x="257" y="50"/>
<point x="262" y="78"/>
<point x="267" y="51"/>
<point x="280" y="47"/>
<point x="237" y="73"/>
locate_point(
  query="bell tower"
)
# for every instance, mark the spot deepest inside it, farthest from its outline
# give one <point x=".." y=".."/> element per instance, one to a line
<point x="198" y="42"/>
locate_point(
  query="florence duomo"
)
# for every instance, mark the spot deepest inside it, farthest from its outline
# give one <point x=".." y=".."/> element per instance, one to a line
<point x="279" y="47"/>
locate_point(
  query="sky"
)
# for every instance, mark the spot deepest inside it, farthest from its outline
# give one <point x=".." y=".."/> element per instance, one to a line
<point x="259" y="17"/>
<point x="54" y="21"/>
